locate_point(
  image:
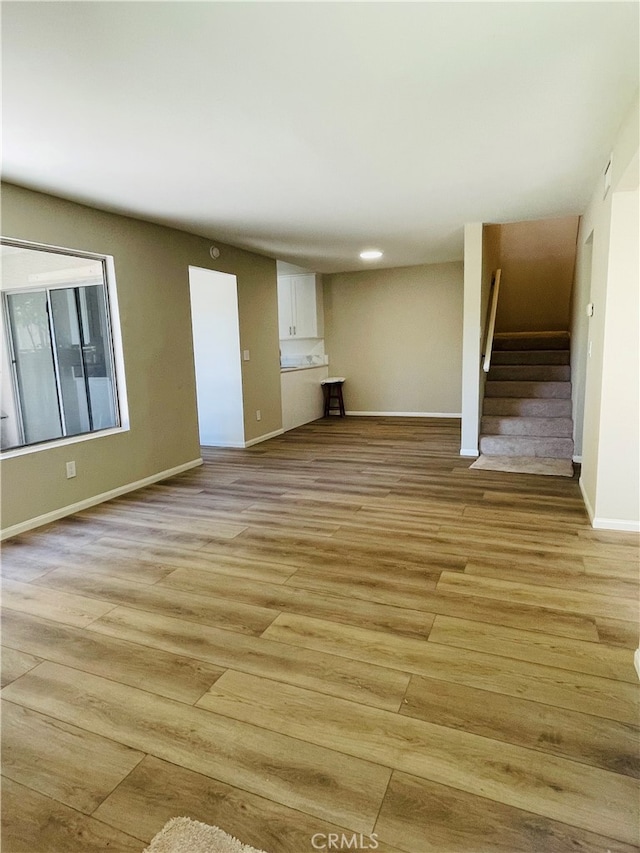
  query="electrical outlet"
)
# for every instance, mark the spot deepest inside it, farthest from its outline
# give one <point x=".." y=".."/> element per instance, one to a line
<point x="258" y="415"/>
<point x="71" y="470"/>
<point x="246" y="354"/>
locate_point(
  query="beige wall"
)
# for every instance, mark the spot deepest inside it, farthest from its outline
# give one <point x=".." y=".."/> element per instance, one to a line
<point x="618" y="497"/>
<point x="537" y="260"/>
<point x="396" y="335"/>
<point x="151" y="264"/>
<point x="608" y="248"/>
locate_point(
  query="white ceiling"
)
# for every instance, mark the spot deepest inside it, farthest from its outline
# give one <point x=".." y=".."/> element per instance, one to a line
<point x="310" y="131"/>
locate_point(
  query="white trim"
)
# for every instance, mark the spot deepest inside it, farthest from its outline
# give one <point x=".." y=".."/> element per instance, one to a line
<point x="615" y="524"/>
<point x="264" y="437"/>
<point x="243" y="444"/>
<point x="63" y="250"/>
<point x="405" y="414"/>
<point x="233" y="444"/>
<point x="466" y="451"/>
<point x="26" y="449"/>
<point x="117" y="346"/>
<point x="587" y="503"/>
<point x="55" y="514"/>
<point x="636" y="661"/>
<point x="577" y="459"/>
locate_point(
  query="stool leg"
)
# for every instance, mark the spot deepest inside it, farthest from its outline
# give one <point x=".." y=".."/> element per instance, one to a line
<point x="326" y="391"/>
<point x="340" y="401"/>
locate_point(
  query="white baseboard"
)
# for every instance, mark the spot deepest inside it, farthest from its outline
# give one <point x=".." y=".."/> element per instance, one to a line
<point x="636" y="661"/>
<point x="264" y="437"/>
<point x="466" y="451"/>
<point x="242" y="444"/>
<point x="600" y="523"/>
<point x="587" y="503"/>
<point x="615" y="524"/>
<point x="405" y="414"/>
<point x="235" y="444"/>
<point x="70" y="509"/>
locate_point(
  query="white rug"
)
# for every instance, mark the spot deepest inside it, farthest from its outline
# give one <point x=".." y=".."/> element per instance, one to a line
<point x="183" y="835"/>
<point x="526" y="465"/>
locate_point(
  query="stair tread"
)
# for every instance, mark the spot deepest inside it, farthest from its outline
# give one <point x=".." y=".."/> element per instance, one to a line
<point x="528" y="388"/>
<point x="527" y="406"/>
<point x="540" y="426"/>
<point x="536" y="438"/>
<point x="531" y="340"/>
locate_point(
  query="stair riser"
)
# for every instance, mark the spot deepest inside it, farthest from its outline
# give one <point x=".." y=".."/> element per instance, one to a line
<point x="530" y="373"/>
<point x="538" y="427"/>
<point x="511" y="445"/>
<point x="527" y="408"/>
<point x="554" y="390"/>
<point x="530" y="357"/>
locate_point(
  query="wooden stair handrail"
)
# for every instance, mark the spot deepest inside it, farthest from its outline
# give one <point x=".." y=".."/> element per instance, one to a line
<point x="491" y="324"/>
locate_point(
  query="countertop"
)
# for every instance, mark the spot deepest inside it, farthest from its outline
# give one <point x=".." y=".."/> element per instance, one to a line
<point x="302" y="367"/>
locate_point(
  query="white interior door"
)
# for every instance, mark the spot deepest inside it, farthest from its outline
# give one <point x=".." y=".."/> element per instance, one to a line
<point x="216" y="348"/>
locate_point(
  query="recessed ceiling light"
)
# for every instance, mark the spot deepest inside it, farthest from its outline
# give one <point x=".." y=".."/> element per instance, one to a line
<point x="371" y="255"/>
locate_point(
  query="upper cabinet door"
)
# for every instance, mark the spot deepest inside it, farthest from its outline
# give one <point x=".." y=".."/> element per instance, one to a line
<point x="285" y="308"/>
<point x="304" y="300"/>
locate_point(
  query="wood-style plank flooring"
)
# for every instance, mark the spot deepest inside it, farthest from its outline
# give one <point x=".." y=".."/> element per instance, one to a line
<point x="342" y="636"/>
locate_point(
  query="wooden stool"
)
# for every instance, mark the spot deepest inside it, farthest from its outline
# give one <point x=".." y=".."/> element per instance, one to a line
<point x="332" y="391"/>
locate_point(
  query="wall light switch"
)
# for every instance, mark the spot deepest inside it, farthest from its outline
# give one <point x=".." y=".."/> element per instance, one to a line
<point x="245" y="354"/>
<point x="71" y="470"/>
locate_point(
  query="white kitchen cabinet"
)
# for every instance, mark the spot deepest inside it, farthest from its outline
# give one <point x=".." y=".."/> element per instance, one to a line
<point x="298" y="307"/>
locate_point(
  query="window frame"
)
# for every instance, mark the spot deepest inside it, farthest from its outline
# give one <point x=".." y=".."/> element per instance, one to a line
<point x="115" y="350"/>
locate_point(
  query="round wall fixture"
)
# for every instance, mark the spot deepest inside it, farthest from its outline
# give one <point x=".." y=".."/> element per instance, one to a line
<point x="214" y="251"/>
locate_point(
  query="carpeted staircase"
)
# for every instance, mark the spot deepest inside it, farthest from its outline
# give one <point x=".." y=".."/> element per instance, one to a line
<point x="527" y="403"/>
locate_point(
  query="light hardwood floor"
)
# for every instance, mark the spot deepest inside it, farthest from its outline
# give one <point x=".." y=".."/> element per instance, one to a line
<point x="342" y="630"/>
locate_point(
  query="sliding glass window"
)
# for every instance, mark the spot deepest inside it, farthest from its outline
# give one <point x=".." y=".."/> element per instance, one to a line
<point x="58" y="378"/>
